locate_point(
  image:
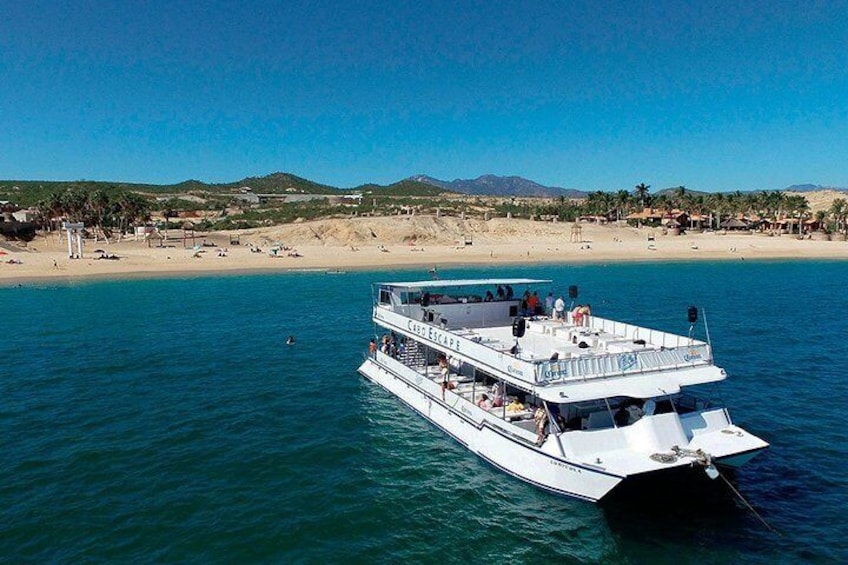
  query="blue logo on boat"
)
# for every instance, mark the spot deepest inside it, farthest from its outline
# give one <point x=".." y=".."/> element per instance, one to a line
<point x="693" y="355"/>
<point x="626" y="361"/>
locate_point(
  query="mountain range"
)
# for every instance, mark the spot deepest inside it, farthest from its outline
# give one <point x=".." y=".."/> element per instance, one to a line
<point x="29" y="192"/>
<point x="492" y="185"/>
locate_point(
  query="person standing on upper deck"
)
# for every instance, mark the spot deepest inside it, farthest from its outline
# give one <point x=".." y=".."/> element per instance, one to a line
<point x="559" y="309"/>
<point x="587" y="311"/>
<point x="549" y="304"/>
<point x="532" y="304"/>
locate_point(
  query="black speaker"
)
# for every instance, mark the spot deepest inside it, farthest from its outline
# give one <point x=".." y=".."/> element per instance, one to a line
<point x="572" y="291"/>
<point x="425" y="299"/>
<point x="519" y="326"/>
<point x="692" y="314"/>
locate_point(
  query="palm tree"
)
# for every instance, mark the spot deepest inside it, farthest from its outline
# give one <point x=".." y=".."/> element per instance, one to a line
<point x="821" y="215"/>
<point x="717" y="205"/>
<point x="642" y="194"/>
<point x="696" y="206"/>
<point x="622" y="201"/>
<point x="681" y="198"/>
<point x="599" y="203"/>
<point x="131" y="208"/>
<point x="49" y="209"/>
<point x="778" y="201"/>
<point x="99" y="205"/>
<point x="799" y="207"/>
<point x="839" y="209"/>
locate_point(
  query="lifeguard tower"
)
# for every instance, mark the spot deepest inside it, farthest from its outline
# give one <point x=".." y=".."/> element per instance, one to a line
<point x="576" y="233"/>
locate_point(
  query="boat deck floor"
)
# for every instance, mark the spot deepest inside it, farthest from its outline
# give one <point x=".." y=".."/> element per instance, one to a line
<point x="544" y="337"/>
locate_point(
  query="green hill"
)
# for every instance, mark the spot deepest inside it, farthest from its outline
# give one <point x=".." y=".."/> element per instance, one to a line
<point x="403" y="188"/>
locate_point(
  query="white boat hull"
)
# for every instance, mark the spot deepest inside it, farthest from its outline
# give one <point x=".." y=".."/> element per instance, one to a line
<point x="508" y="452"/>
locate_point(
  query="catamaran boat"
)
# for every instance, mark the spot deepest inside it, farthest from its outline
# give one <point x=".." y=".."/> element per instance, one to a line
<point x="565" y="400"/>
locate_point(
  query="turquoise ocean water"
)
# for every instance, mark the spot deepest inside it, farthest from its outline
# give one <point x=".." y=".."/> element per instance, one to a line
<point x="167" y="421"/>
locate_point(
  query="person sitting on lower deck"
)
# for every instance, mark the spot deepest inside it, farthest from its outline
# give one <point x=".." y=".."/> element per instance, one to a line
<point x="514" y="406"/>
<point x="635" y="412"/>
<point x="497" y="395"/>
<point x="484" y="403"/>
<point x="621" y="417"/>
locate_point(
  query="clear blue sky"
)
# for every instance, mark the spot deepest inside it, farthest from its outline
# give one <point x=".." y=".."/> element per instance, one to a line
<point x="595" y="95"/>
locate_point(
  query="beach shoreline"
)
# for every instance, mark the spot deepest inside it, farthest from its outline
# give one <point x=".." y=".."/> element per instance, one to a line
<point x="420" y="244"/>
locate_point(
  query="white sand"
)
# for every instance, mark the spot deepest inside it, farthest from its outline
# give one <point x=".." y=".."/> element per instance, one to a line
<point x="426" y="241"/>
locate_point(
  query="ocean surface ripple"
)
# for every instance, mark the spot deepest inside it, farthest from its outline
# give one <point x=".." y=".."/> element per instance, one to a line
<point x="168" y="421"/>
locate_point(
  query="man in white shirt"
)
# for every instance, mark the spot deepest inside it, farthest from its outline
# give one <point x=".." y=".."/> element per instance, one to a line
<point x="559" y="309"/>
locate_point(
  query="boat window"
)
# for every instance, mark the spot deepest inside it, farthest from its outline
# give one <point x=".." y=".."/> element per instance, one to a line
<point x="410" y="297"/>
<point x="385" y="296"/>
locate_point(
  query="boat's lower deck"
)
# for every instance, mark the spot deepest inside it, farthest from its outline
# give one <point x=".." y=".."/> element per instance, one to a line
<point x="586" y="434"/>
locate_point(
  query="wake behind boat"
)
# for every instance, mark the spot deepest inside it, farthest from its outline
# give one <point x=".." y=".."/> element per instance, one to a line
<point x="560" y="398"/>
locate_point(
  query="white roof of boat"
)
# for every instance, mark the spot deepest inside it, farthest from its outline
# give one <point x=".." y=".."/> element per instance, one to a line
<point x="462" y="282"/>
<point x="635" y="386"/>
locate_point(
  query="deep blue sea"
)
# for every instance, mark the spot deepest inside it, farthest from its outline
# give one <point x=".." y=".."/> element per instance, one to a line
<point x="165" y="421"/>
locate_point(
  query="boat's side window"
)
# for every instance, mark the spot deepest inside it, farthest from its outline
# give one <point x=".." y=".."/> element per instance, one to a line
<point x="385" y="296"/>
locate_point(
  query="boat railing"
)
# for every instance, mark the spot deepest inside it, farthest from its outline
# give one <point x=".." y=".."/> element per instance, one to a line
<point x="617" y="364"/>
<point x="679" y="352"/>
<point x="634" y="333"/>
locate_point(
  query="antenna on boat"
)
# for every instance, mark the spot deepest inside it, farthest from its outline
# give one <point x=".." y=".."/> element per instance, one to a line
<point x="692" y="315"/>
<point x="707" y="329"/>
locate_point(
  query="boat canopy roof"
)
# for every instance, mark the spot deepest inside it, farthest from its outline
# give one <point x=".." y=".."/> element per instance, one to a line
<point x="635" y="386"/>
<point x="437" y="283"/>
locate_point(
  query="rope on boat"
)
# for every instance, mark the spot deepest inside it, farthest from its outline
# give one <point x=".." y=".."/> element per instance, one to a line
<point x="664" y="457"/>
<point x="748" y="504"/>
<point x="704" y="459"/>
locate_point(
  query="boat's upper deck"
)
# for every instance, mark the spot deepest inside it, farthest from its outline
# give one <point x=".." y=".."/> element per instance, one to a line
<point x="466" y="323"/>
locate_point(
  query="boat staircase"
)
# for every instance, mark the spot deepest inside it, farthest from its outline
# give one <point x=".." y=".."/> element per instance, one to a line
<point x="414" y="354"/>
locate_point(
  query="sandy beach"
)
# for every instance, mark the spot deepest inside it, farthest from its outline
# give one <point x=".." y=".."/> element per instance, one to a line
<point x="383" y="242"/>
